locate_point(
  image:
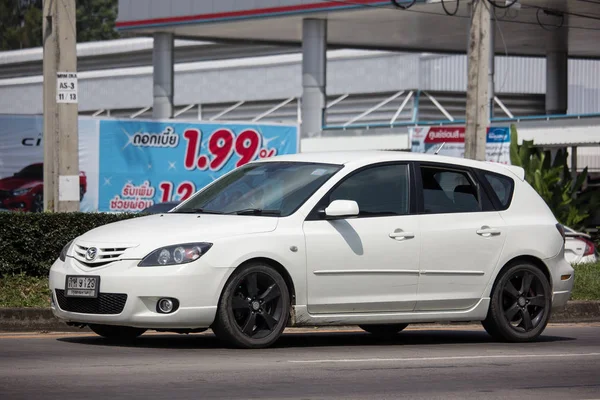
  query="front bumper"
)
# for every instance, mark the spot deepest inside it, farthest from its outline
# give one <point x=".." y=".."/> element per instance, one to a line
<point x="196" y="286"/>
<point x="561" y="289"/>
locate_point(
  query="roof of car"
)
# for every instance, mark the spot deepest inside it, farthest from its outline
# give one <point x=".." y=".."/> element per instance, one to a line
<point x="371" y="156"/>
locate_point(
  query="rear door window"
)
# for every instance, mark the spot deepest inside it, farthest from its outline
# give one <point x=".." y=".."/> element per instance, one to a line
<point x="449" y="191"/>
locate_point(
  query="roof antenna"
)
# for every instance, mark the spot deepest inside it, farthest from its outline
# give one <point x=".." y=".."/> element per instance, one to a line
<point x="439" y="148"/>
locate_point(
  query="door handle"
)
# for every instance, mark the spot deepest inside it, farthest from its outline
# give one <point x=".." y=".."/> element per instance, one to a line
<point x="486" y="231"/>
<point x="399" y="234"/>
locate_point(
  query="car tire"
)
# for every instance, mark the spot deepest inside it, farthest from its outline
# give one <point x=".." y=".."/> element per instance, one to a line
<point x="117" y="332"/>
<point x="38" y="203"/>
<point x="383" y="330"/>
<point x="254" y="307"/>
<point x="520" y="305"/>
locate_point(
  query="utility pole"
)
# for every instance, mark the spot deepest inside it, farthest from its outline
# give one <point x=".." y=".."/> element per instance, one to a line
<point x="478" y="114"/>
<point x="60" y="137"/>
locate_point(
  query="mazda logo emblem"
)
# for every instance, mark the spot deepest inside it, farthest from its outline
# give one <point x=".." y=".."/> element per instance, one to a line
<point x="91" y="253"/>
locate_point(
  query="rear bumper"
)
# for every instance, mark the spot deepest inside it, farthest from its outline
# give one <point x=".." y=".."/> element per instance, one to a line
<point x="561" y="288"/>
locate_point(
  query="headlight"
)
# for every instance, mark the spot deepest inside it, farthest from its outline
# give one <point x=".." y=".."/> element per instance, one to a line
<point x="175" y="255"/>
<point x="63" y="252"/>
<point x="19" y="192"/>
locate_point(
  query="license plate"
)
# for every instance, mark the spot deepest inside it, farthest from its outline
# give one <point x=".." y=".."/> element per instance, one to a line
<point x="82" y="286"/>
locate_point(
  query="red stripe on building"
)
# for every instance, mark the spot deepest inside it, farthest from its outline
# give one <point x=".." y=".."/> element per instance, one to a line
<point x="243" y="13"/>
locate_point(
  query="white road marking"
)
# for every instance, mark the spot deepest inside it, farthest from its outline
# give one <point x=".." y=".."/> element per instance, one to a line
<point x="450" y="358"/>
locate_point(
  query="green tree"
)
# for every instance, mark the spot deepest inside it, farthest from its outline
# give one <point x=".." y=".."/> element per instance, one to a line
<point x="554" y="181"/>
<point x="21" y="22"/>
<point x="96" y="20"/>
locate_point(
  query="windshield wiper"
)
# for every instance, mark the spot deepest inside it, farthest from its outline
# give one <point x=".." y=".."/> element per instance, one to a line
<point x="196" y="211"/>
<point x="256" y="211"/>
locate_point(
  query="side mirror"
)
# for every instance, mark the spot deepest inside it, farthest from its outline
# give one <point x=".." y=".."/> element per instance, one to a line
<point x="341" y="209"/>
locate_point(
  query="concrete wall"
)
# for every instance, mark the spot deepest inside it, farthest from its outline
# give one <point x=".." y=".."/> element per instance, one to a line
<point x="278" y="77"/>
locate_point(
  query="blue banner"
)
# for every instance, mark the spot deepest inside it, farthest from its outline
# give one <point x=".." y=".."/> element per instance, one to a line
<point x="147" y="162"/>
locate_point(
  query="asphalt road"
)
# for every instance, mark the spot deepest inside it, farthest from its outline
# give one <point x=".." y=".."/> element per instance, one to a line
<point x="424" y="363"/>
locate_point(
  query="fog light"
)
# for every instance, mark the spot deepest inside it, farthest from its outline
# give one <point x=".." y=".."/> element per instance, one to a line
<point x="166" y="305"/>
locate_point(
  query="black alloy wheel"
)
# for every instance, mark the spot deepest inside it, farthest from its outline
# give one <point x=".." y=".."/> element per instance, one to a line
<point x="521" y="304"/>
<point x="254" y="307"/>
<point x="38" y="203"/>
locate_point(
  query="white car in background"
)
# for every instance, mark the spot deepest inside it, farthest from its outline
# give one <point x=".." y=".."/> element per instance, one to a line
<point x="375" y="239"/>
<point x="579" y="247"/>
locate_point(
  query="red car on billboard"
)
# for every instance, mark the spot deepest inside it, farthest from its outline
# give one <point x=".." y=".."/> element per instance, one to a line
<point x="24" y="191"/>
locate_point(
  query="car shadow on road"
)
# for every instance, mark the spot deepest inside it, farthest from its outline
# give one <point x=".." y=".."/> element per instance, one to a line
<point x="409" y="337"/>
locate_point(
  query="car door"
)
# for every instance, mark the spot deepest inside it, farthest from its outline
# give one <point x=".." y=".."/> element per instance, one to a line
<point x="367" y="263"/>
<point x="462" y="237"/>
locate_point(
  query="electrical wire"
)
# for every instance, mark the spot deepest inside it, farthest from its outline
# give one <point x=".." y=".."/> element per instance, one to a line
<point x="510" y="21"/>
<point x="452" y="14"/>
<point x="493" y="2"/>
<point x="402" y="6"/>
<point x="547" y="12"/>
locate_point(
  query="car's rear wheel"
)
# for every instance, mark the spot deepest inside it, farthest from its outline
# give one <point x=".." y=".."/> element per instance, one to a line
<point x="254" y="307"/>
<point x="521" y="304"/>
<point x="117" y="332"/>
<point x="383" y="330"/>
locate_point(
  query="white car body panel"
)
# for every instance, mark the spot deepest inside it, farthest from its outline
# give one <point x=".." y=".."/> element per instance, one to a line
<point x="343" y="272"/>
<point x="454" y="275"/>
<point x="348" y="259"/>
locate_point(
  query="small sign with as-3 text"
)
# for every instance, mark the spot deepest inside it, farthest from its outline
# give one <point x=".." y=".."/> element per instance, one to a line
<point x="66" y="87"/>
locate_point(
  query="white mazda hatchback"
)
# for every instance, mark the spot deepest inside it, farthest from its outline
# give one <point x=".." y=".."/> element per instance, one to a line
<point x="375" y="239"/>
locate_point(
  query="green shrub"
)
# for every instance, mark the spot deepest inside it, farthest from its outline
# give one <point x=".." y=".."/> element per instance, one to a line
<point x="587" y="282"/>
<point x="24" y="291"/>
<point x="553" y="181"/>
<point x="31" y="242"/>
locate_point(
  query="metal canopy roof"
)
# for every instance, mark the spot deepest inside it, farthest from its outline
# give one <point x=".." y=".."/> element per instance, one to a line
<point x="377" y="24"/>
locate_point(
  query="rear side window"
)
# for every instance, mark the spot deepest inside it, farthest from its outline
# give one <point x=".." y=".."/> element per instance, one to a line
<point x="502" y="186"/>
<point x="448" y="191"/>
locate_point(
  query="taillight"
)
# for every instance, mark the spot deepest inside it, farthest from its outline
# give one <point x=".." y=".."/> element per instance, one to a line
<point x="590" y="248"/>
<point x="561" y="229"/>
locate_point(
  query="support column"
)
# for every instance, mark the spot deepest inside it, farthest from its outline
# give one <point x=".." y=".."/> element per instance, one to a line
<point x="557" y="69"/>
<point x="492" y="66"/>
<point x="478" y="57"/>
<point x="61" y="192"/>
<point x="314" y="73"/>
<point x="574" y="162"/>
<point x="162" y="59"/>
<point x="557" y="82"/>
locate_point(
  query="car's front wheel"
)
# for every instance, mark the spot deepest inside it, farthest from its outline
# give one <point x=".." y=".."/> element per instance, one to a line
<point x="117" y="332"/>
<point x="254" y="307"/>
<point x="520" y="305"/>
<point x="38" y="203"/>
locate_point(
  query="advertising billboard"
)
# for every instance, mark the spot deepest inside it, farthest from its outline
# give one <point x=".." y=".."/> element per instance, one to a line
<point x="429" y="139"/>
<point x="129" y="165"/>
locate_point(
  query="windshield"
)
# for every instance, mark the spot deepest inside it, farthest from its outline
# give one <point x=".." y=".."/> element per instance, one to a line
<point x="35" y="171"/>
<point x="268" y="188"/>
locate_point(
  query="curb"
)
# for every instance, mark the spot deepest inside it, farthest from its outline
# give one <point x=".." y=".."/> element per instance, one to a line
<point x="42" y="319"/>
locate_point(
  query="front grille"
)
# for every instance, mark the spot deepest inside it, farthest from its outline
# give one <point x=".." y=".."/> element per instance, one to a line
<point x="105" y="303"/>
<point x="4" y="194"/>
<point x="104" y="255"/>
